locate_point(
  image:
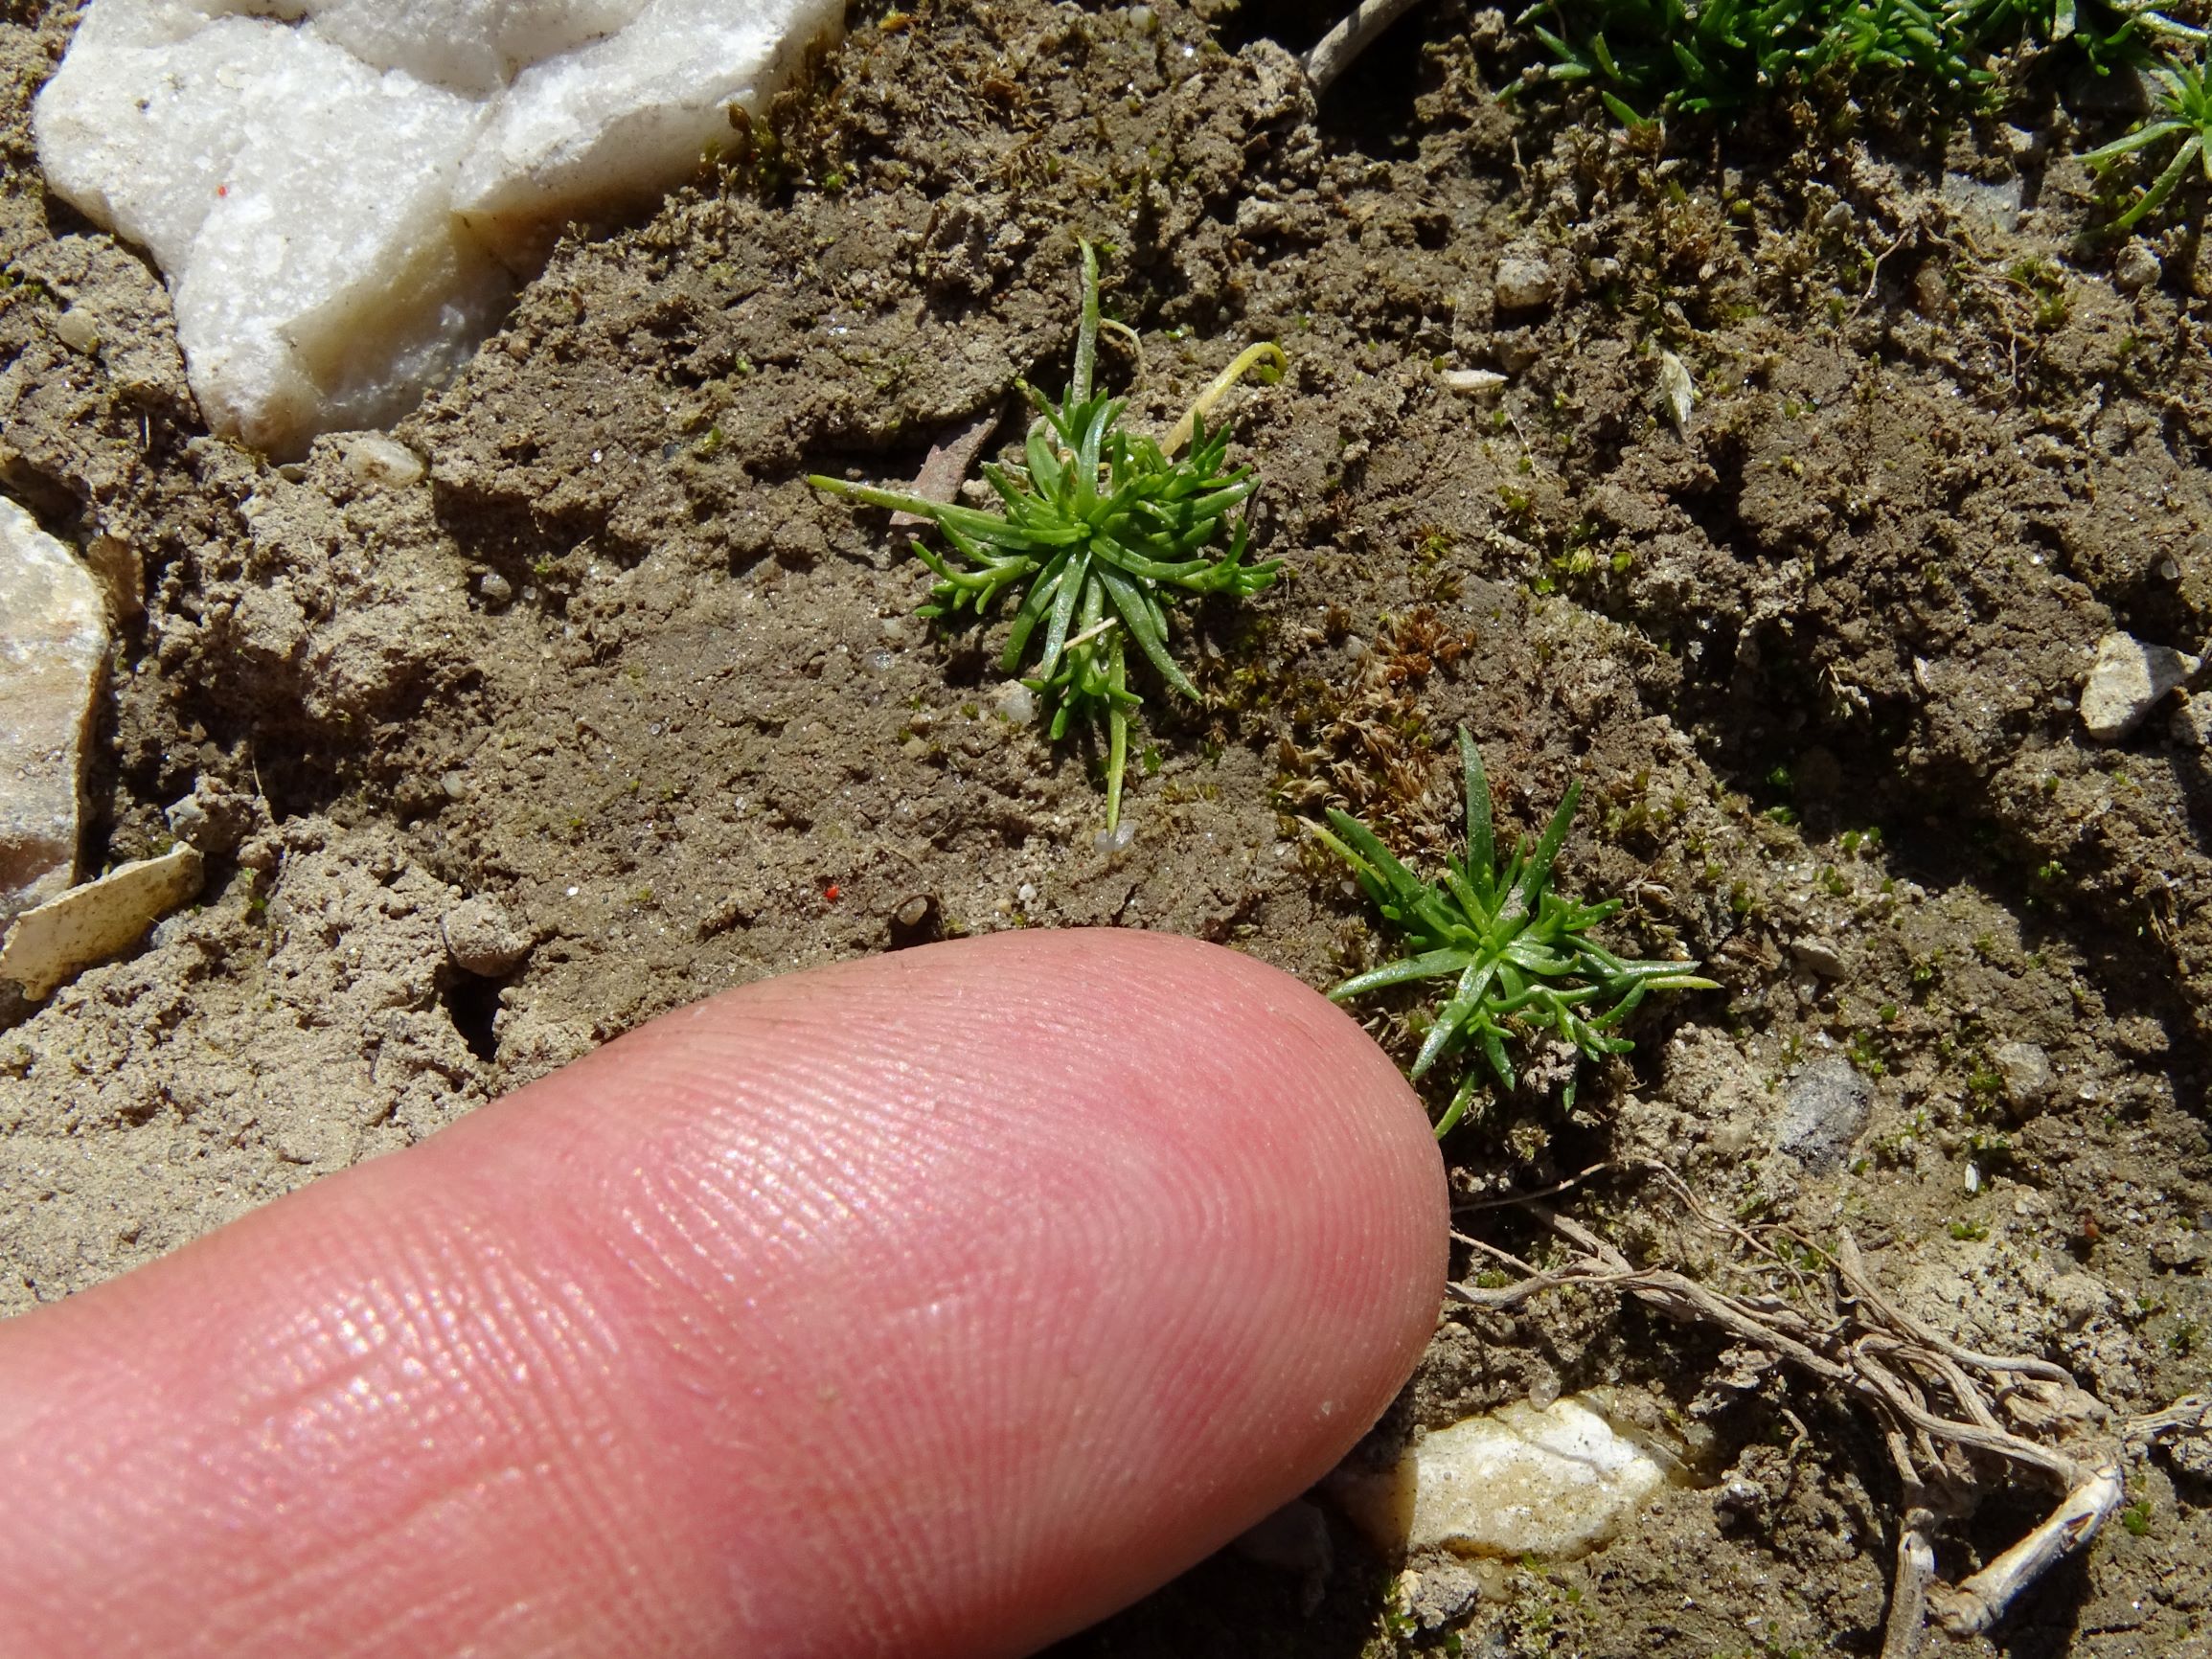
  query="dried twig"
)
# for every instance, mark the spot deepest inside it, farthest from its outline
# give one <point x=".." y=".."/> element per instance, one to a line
<point x="1982" y="1600"/>
<point x="1951" y="1417"/>
<point x="1336" y="49"/>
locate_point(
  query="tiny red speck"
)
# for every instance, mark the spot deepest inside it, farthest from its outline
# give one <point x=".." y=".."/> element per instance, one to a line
<point x="831" y="893"/>
<point x="222" y="190"/>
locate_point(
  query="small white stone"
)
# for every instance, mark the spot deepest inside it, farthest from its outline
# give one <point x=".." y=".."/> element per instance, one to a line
<point x="482" y="939"/>
<point x="2025" y="1071"/>
<point x="372" y="458"/>
<point x="1678" y="392"/>
<point x="1819" y="956"/>
<point x="2126" y="683"/>
<point x="76" y="330"/>
<point x="53" y="648"/>
<point x="1472" y="382"/>
<point x="1524" y="282"/>
<point x="97" y="920"/>
<point x="2136" y="267"/>
<point x="1550" y="1483"/>
<point x="1017" y="703"/>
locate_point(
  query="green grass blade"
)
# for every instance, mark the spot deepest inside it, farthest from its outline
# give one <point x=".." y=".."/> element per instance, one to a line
<point x="1434" y="965"/>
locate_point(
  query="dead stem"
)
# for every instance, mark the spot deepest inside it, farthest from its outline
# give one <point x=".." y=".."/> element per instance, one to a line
<point x="1335" y="50"/>
<point x="1937" y="1404"/>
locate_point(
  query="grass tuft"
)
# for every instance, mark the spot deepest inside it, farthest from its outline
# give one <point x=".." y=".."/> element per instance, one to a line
<point x="1707" y="56"/>
<point x="2183" y="112"/>
<point x="1521" y="955"/>
<point x="1098" y="534"/>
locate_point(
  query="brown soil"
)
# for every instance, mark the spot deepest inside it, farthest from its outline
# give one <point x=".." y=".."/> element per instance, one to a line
<point x="613" y="665"/>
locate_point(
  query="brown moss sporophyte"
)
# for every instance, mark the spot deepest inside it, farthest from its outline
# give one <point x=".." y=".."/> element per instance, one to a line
<point x="1098" y="534"/>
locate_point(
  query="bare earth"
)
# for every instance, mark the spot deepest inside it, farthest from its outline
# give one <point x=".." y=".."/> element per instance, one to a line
<point x="611" y="664"/>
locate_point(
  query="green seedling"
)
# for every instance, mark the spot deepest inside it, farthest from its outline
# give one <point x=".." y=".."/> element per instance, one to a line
<point x="2184" y="111"/>
<point x="1098" y="533"/>
<point x="1704" y="57"/>
<point x="1519" y="954"/>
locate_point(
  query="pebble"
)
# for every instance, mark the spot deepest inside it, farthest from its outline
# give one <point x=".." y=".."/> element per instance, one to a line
<point x="1819" y="956"/>
<point x="483" y="938"/>
<point x="1824" y="1108"/>
<point x="372" y="458"/>
<point x="2127" y="682"/>
<point x="1677" y="394"/>
<point x="2027" y="1074"/>
<point x="1523" y="284"/>
<point x="1017" y="703"/>
<point x="53" y="646"/>
<point x="76" y="329"/>
<point x="1472" y="382"/>
<point x="1552" y="1484"/>
<point x="102" y="918"/>
<point x="918" y="919"/>
<point x="2136" y="267"/>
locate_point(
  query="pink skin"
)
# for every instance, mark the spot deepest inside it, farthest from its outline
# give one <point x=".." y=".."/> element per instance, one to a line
<point x="935" y="1304"/>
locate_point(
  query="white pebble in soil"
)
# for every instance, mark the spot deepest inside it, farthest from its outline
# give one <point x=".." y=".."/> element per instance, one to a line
<point x="1551" y="1483"/>
<point x="1524" y="282"/>
<point x="1017" y="703"/>
<point x="483" y="938"/>
<point x="2127" y="682"/>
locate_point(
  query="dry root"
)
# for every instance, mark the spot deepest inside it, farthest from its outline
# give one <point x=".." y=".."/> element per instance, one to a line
<point x="1956" y="1422"/>
<point x="1333" y="53"/>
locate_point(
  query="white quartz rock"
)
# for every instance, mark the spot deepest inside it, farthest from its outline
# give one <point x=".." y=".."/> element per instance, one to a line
<point x="52" y="647"/>
<point x="341" y="192"/>
<point x="630" y="113"/>
<point x="2126" y="683"/>
<point x="471" y="46"/>
<point x="1551" y="1483"/>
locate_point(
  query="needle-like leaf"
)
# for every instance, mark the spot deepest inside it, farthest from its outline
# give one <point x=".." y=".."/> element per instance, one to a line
<point x="1522" y="952"/>
<point x="1100" y="531"/>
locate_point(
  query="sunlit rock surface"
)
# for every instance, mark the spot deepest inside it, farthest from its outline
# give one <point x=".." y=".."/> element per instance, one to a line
<point x="1550" y="1483"/>
<point x="102" y="918"/>
<point x="53" y="648"/>
<point x="342" y="194"/>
